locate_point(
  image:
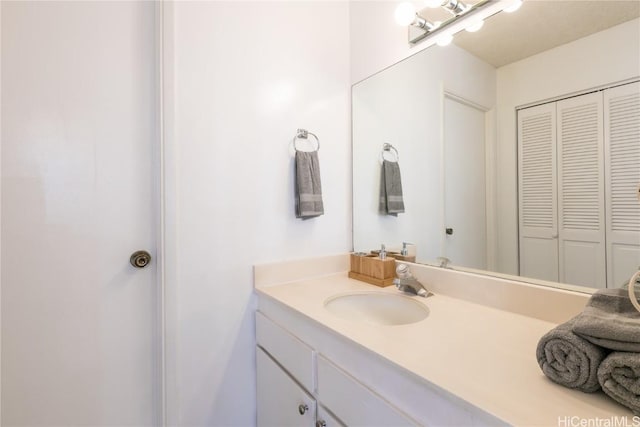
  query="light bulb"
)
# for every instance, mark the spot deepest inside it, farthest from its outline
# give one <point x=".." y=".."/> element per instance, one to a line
<point x="475" y="26"/>
<point x="444" y="40"/>
<point x="433" y="3"/>
<point x="405" y="13"/>
<point x="513" y="7"/>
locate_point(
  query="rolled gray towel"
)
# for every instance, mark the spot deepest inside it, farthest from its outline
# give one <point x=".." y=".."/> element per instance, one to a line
<point x="619" y="376"/>
<point x="610" y="321"/>
<point x="570" y="360"/>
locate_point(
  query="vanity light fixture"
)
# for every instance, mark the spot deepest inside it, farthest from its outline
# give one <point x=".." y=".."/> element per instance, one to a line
<point x="468" y="15"/>
<point x="405" y="14"/>
<point x="456" y="7"/>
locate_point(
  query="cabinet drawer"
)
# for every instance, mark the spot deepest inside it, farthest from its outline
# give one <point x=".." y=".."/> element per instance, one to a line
<point x="294" y="355"/>
<point x="354" y="403"/>
<point x="281" y="401"/>
<point x="325" y="419"/>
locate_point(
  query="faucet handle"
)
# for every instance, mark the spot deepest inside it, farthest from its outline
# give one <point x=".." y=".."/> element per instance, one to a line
<point x="402" y="271"/>
<point x="444" y="261"/>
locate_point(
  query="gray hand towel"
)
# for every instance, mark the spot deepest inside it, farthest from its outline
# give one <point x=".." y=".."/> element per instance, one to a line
<point x="619" y="376"/>
<point x="610" y="321"/>
<point x="308" y="190"/>
<point x="391" y="200"/>
<point x="568" y="359"/>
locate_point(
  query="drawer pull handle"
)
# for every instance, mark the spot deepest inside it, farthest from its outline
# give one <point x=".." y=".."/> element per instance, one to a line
<point x="302" y="408"/>
<point x="321" y="423"/>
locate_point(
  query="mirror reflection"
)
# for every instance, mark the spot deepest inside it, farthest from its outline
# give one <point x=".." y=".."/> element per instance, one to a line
<point x="518" y="147"/>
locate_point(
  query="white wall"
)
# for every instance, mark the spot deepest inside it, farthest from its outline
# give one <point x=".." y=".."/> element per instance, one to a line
<point x="403" y="106"/>
<point x="247" y="75"/>
<point x="586" y="63"/>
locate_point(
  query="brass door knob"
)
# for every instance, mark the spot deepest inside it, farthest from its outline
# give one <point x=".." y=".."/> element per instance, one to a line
<point x="140" y="259"/>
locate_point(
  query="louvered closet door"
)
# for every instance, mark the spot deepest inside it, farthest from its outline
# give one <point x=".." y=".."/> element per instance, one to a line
<point x="581" y="221"/>
<point x="537" y="189"/>
<point x="622" y="161"/>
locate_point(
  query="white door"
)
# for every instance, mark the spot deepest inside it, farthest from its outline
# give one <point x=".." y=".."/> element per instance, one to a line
<point x="465" y="213"/>
<point x="622" y="154"/>
<point x="581" y="221"/>
<point x="80" y="337"/>
<point x="537" y="189"/>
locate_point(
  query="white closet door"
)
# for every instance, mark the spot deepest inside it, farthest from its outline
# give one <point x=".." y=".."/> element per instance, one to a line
<point x="622" y="160"/>
<point x="538" y="192"/>
<point x="581" y="222"/>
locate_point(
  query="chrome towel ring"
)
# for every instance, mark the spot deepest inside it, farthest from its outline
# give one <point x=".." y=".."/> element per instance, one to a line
<point x="304" y="134"/>
<point x="632" y="288"/>
<point x="388" y="148"/>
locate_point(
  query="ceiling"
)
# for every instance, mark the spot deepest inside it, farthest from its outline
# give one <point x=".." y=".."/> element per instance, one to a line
<point x="540" y="25"/>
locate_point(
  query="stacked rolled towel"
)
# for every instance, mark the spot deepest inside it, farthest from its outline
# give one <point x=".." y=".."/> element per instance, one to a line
<point x="605" y="339"/>
<point x="619" y="376"/>
<point x="570" y="360"/>
<point x="610" y="321"/>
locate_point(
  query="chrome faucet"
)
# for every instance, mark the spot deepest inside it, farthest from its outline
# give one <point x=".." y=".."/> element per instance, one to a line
<point x="405" y="282"/>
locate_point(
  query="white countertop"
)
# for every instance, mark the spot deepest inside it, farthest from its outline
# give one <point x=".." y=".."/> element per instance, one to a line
<point x="483" y="355"/>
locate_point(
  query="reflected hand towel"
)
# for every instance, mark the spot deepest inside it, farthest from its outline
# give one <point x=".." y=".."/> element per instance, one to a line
<point x="391" y="199"/>
<point x="308" y="190"/>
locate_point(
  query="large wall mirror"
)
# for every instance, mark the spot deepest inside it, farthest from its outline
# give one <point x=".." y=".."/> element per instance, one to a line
<point x="518" y="146"/>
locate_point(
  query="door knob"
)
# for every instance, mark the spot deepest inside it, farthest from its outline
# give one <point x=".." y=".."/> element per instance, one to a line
<point x="321" y="423"/>
<point x="449" y="231"/>
<point x="302" y="408"/>
<point x="140" y="259"/>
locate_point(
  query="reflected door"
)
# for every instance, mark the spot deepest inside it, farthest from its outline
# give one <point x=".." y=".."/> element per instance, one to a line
<point x="465" y="214"/>
<point x="581" y="219"/>
<point x="80" y="342"/>
<point x="622" y="186"/>
<point x="538" y="192"/>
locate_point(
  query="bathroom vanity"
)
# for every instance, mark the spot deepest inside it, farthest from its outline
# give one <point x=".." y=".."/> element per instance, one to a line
<point x="470" y="361"/>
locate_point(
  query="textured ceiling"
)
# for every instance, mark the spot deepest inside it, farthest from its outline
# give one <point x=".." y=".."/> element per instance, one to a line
<point x="540" y="25"/>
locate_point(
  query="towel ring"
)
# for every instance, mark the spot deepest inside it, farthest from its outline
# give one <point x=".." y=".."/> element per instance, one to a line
<point x="304" y="134"/>
<point x="632" y="290"/>
<point x="388" y="148"/>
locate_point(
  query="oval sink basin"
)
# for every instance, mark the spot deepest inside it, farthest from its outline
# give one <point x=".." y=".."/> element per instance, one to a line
<point x="377" y="308"/>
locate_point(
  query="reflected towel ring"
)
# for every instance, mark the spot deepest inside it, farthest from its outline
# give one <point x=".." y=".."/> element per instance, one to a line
<point x="388" y="148"/>
<point x="632" y="289"/>
<point x="304" y="134"/>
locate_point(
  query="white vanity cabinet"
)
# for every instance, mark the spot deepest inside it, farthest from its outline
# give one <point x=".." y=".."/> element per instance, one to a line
<point x="298" y="387"/>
